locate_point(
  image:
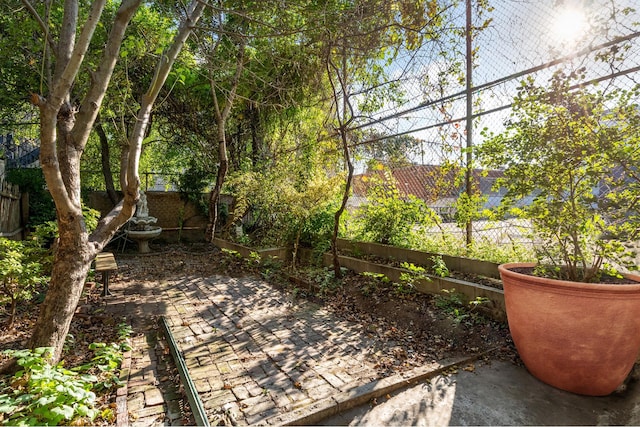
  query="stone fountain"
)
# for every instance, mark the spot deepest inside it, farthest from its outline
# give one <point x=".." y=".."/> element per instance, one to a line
<point x="141" y="229"/>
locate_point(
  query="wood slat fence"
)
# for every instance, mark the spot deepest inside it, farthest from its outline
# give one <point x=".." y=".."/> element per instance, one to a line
<point x="9" y="209"/>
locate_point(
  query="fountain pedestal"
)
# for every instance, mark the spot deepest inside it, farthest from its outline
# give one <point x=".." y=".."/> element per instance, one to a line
<point x="142" y="238"/>
<point x="141" y="231"/>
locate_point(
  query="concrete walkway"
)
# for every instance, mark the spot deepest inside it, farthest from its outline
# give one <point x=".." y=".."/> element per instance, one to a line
<point x="258" y="356"/>
<point x="498" y="393"/>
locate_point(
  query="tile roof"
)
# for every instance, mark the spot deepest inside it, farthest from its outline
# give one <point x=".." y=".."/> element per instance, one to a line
<point x="427" y="182"/>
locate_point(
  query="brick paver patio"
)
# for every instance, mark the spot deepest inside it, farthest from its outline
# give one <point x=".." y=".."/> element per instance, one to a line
<point x="255" y="354"/>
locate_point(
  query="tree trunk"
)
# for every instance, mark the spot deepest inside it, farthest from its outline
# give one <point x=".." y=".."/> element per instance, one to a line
<point x="214" y="198"/>
<point x="344" y="121"/>
<point x="106" y="166"/>
<point x="345" y="198"/>
<point x="72" y="261"/>
<point x="223" y="158"/>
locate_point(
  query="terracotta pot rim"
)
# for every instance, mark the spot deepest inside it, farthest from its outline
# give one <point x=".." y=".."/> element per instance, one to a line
<point x="544" y="281"/>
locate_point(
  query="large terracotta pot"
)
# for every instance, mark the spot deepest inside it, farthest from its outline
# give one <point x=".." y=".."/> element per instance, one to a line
<point x="579" y="337"/>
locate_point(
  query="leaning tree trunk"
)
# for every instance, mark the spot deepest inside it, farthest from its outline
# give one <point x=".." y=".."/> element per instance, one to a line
<point x="71" y="265"/>
<point x="345" y="198"/>
<point x="344" y="120"/>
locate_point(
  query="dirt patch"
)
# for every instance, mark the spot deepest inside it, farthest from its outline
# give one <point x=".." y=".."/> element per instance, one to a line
<point x="415" y="328"/>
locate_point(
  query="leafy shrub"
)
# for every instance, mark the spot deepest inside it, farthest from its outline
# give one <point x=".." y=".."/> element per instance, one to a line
<point x="317" y="231"/>
<point x="44" y="234"/>
<point x="193" y="183"/>
<point x="571" y="150"/>
<point x="44" y="394"/>
<point x="21" y="271"/>
<point x="389" y="218"/>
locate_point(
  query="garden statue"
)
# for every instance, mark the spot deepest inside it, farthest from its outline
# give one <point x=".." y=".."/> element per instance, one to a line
<point x="141" y="229"/>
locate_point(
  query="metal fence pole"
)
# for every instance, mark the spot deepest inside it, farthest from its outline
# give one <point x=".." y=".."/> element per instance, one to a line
<point x="469" y="118"/>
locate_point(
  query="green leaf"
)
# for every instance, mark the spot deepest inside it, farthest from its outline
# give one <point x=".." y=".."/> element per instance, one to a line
<point x="64" y="411"/>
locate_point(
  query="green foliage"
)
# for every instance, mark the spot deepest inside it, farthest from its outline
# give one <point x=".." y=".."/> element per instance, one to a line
<point x="390" y="151"/>
<point x="481" y="248"/>
<point x="21" y="272"/>
<point x="284" y="205"/>
<point x="326" y="280"/>
<point x="573" y="152"/>
<point x="409" y="279"/>
<point x="453" y="303"/>
<point x="253" y="259"/>
<point x="388" y="218"/>
<point x="317" y="230"/>
<point x="42" y="394"/>
<point x="439" y="267"/>
<point x="374" y="281"/>
<point x="91" y="217"/>
<point x="193" y="182"/>
<point x="45" y="233"/>
<point x="124" y="334"/>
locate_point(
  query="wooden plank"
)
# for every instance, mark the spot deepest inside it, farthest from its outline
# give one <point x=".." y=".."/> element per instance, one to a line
<point x="105" y="261"/>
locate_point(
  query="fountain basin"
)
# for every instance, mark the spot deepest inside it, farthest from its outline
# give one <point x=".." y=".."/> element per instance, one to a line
<point x="142" y="237"/>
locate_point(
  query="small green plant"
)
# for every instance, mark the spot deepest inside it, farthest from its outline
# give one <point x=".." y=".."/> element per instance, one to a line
<point x="44" y="394"/>
<point x="253" y="259"/>
<point x="453" y="303"/>
<point x="439" y="267"/>
<point x="408" y="280"/>
<point x="375" y="280"/>
<point x="326" y="280"/>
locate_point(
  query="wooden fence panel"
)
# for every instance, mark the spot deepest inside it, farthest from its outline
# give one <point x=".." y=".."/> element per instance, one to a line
<point x="9" y="209"/>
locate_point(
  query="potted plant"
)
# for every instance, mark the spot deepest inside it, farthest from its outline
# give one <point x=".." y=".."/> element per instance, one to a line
<point x="569" y="153"/>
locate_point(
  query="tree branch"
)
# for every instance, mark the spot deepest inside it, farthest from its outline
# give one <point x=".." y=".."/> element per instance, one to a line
<point x="167" y="60"/>
<point x="64" y="79"/>
<point x="102" y="76"/>
<point x="43" y="25"/>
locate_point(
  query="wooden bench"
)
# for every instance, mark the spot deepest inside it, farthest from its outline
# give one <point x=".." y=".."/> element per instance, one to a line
<point x="105" y="264"/>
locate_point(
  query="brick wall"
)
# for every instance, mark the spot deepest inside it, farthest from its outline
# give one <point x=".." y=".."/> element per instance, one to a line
<point x="166" y="207"/>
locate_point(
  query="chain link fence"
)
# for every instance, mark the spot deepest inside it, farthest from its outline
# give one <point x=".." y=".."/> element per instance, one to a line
<point x="519" y="39"/>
